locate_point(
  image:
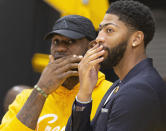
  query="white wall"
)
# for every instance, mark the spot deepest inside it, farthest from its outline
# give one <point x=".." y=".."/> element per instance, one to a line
<point x="157" y="48"/>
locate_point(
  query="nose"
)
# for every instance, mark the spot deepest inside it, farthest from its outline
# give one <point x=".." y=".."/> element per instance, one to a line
<point x="100" y="38"/>
<point x="60" y="48"/>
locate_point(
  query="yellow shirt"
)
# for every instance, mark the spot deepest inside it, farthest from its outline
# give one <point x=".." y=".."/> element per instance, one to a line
<point x="56" y="110"/>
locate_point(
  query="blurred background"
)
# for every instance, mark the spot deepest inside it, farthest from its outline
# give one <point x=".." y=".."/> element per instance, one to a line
<point x="24" y="23"/>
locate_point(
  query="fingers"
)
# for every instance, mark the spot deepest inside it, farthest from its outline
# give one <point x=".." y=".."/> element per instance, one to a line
<point x="68" y="74"/>
<point x="92" y="44"/>
<point x="96" y="55"/>
<point x="68" y="67"/>
<point x="96" y="61"/>
<point x="65" y="60"/>
<point x="51" y="59"/>
<point x="68" y="63"/>
<point x="60" y="60"/>
<point x="97" y="67"/>
<point x="94" y="50"/>
<point x="68" y="60"/>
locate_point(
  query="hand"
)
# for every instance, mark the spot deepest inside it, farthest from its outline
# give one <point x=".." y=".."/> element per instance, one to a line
<point x="88" y="72"/>
<point x="57" y="71"/>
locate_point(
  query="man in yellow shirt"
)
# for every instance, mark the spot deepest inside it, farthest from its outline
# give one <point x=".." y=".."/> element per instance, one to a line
<point x="47" y="107"/>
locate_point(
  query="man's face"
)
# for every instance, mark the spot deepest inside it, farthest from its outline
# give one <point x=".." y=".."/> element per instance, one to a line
<point x="62" y="46"/>
<point x="113" y="35"/>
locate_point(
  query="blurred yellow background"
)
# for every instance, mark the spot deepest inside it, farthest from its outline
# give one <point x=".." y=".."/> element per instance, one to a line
<point x="92" y="9"/>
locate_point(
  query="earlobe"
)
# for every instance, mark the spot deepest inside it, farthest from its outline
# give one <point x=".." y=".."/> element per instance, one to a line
<point x="138" y="38"/>
<point x="133" y="44"/>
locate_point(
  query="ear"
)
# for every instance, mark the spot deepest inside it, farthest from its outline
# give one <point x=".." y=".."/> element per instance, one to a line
<point x="137" y="38"/>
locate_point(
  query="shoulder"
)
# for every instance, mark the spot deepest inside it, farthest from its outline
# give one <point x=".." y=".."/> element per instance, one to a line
<point x="136" y="96"/>
<point x="22" y="97"/>
<point x="25" y="93"/>
<point x="17" y="104"/>
<point x="135" y="104"/>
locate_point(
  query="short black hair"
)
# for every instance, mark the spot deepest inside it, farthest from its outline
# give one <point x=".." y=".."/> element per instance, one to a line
<point x="136" y="15"/>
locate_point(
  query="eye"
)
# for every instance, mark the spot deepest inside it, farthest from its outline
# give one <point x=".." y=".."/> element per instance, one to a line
<point x="71" y="41"/>
<point x="109" y="30"/>
<point x="56" y="41"/>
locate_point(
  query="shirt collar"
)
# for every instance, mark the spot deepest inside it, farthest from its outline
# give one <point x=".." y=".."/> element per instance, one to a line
<point x="138" y="68"/>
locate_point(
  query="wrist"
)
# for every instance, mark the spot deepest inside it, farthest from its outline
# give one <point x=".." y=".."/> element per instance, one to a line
<point x="41" y="91"/>
<point x="84" y="97"/>
<point x="43" y="87"/>
<point x="83" y="102"/>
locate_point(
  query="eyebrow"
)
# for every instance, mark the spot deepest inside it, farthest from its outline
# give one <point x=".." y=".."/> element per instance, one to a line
<point x="104" y="25"/>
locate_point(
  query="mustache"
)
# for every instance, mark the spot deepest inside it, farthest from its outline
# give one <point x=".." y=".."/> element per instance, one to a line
<point x="57" y="56"/>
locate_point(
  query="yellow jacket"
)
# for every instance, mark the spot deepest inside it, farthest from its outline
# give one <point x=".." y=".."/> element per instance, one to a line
<point x="56" y="109"/>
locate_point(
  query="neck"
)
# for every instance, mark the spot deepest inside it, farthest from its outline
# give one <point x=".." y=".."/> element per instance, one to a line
<point x="126" y="64"/>
<point x="70" y="82"/>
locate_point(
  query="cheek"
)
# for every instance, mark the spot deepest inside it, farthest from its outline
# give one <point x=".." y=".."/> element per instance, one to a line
<point x="79" y="49"/>
<point x="114" y="40"/>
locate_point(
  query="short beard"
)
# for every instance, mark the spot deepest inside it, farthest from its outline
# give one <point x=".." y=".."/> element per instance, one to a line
<point x="115" y="54"/>
<point x="70" y="82"/>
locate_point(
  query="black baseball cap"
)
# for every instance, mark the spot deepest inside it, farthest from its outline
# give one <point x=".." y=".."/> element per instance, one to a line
<point x="74" y="27"/>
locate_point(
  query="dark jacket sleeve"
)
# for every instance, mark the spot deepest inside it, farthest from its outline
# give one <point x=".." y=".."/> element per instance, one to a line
<point x="80" y="118"/>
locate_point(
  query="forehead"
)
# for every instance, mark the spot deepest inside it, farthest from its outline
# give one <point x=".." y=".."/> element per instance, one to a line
<point x="111" y="19"/>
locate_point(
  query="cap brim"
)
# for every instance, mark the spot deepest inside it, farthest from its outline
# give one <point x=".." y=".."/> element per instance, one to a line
<point x="67" y="33"/>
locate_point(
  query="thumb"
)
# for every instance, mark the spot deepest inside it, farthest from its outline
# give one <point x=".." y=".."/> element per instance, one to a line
<point x="97" y="67"/>
<point x="51" y="58"/>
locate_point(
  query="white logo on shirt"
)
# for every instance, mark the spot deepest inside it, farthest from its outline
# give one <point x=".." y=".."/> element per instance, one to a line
<point x="48" y="128"/>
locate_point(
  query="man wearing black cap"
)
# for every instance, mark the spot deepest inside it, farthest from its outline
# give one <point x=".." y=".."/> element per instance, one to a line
<point x="48" y="105"/>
